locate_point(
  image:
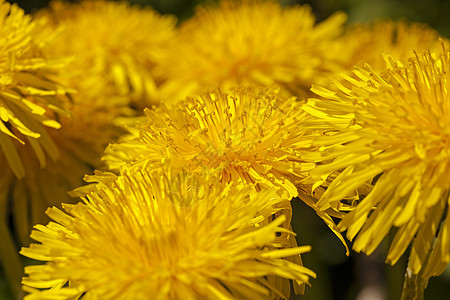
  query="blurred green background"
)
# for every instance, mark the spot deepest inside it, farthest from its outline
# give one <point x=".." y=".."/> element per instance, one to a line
<point x="339" y="277"/>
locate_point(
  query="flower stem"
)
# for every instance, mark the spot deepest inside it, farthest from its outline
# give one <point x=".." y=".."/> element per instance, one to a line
<point x="413" y="286"/>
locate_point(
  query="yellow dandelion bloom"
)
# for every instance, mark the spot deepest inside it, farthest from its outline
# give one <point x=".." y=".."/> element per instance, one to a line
<point x="164" y="237"/>
<point x="248" y="135"/>
<point x="111" y="42"/>
<point x="251" y="42"/>
<point x="398" y="139"/>
<point x="29" y="96"/>
<point x="366" y="42"/>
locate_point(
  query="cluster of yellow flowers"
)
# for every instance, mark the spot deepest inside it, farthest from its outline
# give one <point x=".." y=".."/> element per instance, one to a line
<point x="201" y="134"/>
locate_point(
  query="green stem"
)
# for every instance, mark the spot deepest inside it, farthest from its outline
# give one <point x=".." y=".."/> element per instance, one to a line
<point x="413" y="286"/>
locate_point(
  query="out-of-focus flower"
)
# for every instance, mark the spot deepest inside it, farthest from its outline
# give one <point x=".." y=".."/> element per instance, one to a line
<point x="257" y="42"/>
<point x="366" y="42"/>
<point x="248" y="135"/>
<point x="79" y="143"/>
<point x="113" y="43"/>
<point x="398" y="139"/>
<point x="171" y="237"/>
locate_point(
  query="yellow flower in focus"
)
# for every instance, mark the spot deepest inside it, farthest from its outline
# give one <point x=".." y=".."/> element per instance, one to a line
<point x="29" y="96"/>
<point x="248" y="135"/>
<point x="165" y="237"/>
<point x="398" y="139"/>
<point x="366" y="42"/>
<point x="113" y="43"/>
<point x="251" y="42"/>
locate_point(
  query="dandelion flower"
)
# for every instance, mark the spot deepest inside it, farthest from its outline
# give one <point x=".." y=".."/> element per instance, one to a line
<point x="29" y="96"/>
<point x="143" y="235"/>
<point x="251" y="42"/>
<point x="398" y="139"/>
<point x="248" y="135"/>
<point x="113" y="43"/>
<point x="366" y="42"/>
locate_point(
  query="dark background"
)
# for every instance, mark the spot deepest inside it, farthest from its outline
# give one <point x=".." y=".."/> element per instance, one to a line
<point x="339" y="277"/>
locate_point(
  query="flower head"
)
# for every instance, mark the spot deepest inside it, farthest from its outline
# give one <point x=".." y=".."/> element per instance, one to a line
<point x="113" y="43"/>
<point x="171" y="237"/>
<point x="29" y="96"/>
<point x="251" y="42"/>
<point x="247" y="135"/>
<point x="398" y="140"/>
